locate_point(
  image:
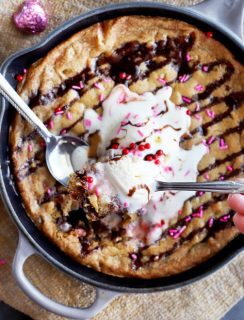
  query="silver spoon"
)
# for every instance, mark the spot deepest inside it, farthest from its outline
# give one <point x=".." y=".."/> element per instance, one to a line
<point x="59" y="150"/>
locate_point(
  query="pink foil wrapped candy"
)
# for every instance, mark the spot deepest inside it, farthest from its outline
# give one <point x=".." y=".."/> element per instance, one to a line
<point x="31" y="17"/>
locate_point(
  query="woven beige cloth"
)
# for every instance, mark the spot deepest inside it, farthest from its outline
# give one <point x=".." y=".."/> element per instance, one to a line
<point x="207" y="299"/>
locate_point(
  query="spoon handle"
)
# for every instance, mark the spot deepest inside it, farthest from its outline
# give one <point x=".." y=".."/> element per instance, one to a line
<point x="12" y="96"/>
<point x="213" y="186"/>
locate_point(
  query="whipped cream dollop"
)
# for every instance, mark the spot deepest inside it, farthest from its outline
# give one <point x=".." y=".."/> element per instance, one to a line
<point x="139" y="144"/>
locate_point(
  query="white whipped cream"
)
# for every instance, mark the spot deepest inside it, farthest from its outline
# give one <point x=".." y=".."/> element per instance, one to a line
<point x="148" y="118"/>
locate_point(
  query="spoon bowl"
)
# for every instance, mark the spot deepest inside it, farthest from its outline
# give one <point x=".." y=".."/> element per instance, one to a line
<point x="60" y="158"/>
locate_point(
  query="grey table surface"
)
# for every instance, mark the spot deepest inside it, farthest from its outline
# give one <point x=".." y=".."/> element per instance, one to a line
<point x="7" y="313"/>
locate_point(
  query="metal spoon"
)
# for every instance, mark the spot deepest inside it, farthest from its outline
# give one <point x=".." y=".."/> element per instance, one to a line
<point x="59" y="149"/>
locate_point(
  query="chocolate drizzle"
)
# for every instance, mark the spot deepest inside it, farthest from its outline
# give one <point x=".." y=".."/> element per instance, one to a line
<point x="138" y="260"/>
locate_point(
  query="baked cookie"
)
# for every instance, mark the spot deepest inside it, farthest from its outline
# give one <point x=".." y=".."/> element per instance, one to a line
<point x="145" y="54"/>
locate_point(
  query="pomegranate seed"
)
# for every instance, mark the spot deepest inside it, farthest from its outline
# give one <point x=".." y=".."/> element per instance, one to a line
<point x="89" y="179"/>
<point x="157" y="161"/>
<point x="122" y="75"/>
<point x="159" y="153"/>
<point x="126" y="151"/>
<point x="147" y="146"/>
<point x="19" y="77"/>
<point x="115" y="146"/>
<point x="209" y="34"/>
<point x="149" y="158"/>
<point x="132" y="145"/>
<point x="42" y="144"/>
<point x="141" y="147"/>
<point x="188" y="112"/>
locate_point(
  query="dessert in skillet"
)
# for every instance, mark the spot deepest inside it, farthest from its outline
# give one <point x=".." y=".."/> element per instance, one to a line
<point x="157" y="99"/>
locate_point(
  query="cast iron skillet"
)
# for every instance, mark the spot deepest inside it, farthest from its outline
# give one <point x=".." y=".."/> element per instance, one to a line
<point x="32" y="241"/>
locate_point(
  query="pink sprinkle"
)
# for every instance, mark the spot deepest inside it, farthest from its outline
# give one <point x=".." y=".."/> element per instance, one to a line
<point x="30" y="147"/>
<point x="2" y="262"/>
<point x="200" y="193"/>
<point x="224" y="218"/>
<point x="172" y="231"/>
<point x="188" y="57"/>
<point x="224" y="147"/>
<point x="206" y="176"/>
<point x="229" y="168"/>
<point x="184" y="78"/>
<point x="210" y="113"/>
<point x="180" y="212"/>
<point x="49" y="191"/>
<point x="69" y="115"/>
<point x="154" y="207"/>
<point x="199" y="87"/>
<point x="126" y="204"/>
<point x="97" y="191"/>
<point x="90" y="186"/>
<point x="221" y="142"/>
<point x="186" y="99"/>
<point x="51" y="124"/>
<point x="210" y="222"/>
<point x="187" y="173"/>
<point x="178" y="234"/>
<point x="118" y="130"/>
<point x="198" y="117"/>
<point x="168" y="169"/>
<point x="63" y="131"/>
<point x="75" y="87"/>
<point x="196" y="215"/>
<point x="87" y="123"/>
<point x="161" y="80"/>
<point x="127" y="116"/>
<point x="100" y="118"/>
<point x="98" y="86"/>
<point x="197" y="107"/>
<point x="205" y="68"/>
<point x="221" y="178"/>
<point x="101" y="97"/>
<point x="133" y="256"/>
<point x="106" y="79"/>
<point x="81" y="85"/>
<point x="211" y="140"/>
<point x="140" y="133"/>
<point x="123" y="123"/>
<point x="24" y="70"/>
<point x="188" y="218"/>
<point x="136" y="116"/>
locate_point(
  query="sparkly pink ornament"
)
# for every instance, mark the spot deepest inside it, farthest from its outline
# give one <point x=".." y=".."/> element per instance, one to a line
<point x="31" y="17"/>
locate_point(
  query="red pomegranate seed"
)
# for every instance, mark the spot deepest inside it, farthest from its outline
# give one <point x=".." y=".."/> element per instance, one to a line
<point x="159" y="152"/>
<point x="115" y="146"/>
<point x="157" y="161"/>
<point x="89" y="179"/>
<point x="122" y="75"/>
<point x="126" y="151"/>
<point x="188" y="112"/>
<point x="141" y="147"/>
<point x="42" y="144"/>
<point x="132" y="145"/>
<point x="19" y="77"/>
<point x="209" y="34"/>
<point x="147" y="146"/>
<point x="149" y="158"/>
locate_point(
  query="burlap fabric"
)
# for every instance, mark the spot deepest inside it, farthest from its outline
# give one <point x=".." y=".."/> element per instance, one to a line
<point x="207" y="299"/>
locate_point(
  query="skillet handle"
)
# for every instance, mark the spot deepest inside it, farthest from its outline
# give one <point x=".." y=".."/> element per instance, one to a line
<point x="25" y="250"/>
<point x="226" y="12"/>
